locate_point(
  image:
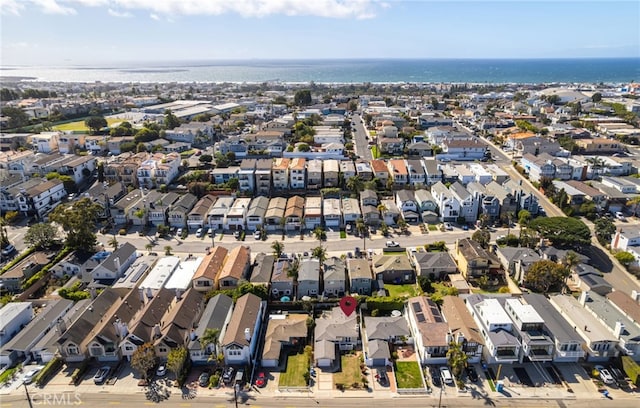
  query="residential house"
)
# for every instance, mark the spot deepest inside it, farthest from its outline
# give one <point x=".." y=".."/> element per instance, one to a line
<point x="622" y="327"/>
<point x="360" y="276"/>
<point x="113" y="266"/>
<point x="347" y="169"/>
<point x="263" y="176"/>
<point x="488" y="204"/>
<point x="218" y="212"/>
<point x="392" y="269"/>
<point x="482" y="175"/>
<point x="334" y="276"/>
<point x="398" y="171"/>
<point x="179" y="211"/>
<point x="309" y="278"/>
<point x="599" y="344"/>
<point x="312" y="213"/>
<point x="525" y="198"/>
<point x="463" y="149"/>
<point x="587" y="278"/>
<point x="294" y="213"/>
<point x="627" y="305"/>
<point x="79" y="168"/>
<point x="406" y="202"/>
<point x="124" y="168"/>
<point x="416" y="173"/>
<point x="468" y="202"/>
<point x="274" y="217"/>
<point x="298" y="173"/>
<point x="517" y="261"/>
<point x="447" y="203"/>
<point x="425" y="202"/>
<point x="157" y="278"/>
<point x="599" y="146"/>
<point x="280" y="173"/>
<point x="568" y="345"/>
<point x="334" y="330"/>
<point x="158" y="211"/>
<point x="40" y="199"/>
<point x="247" y="176"/>
<point x="390" y="145"/>
<point x="501" y="346"/>
<point x="314" y="174"/>
<point x="282" y="281"/>
<point x="463" y="328"/>
<point x="105" y="196"/>
<point x="429" y="330"/>
<point x="463" y="174"/>
<point x="379" y="334"/>
<point x="364" y="170"/>
<point x="283" y="331"/>
<point x="473" y="260"/>
<point x="350" y="210"/>
<point x="332" y="212"/>
<point x="11" y="281"/>
<point x="331" y="172"/>
<point x="369" y="207"/>
<point x="197" y="217"/>
<point x="204" y="279"/>
<point x="528" y="329"/>
<point x="434" y="265"/>
<point x="256" y="213"/>
<point x="236" y="218"/>
<point x="262" y="270"/>
<point x="242" y="337"/>
<point x="235" y="268"/>
<point x="380" y="171"/>
<point x="433" y="174"/>
<point x="507" y="201"/>
<point x="14" y="316"/>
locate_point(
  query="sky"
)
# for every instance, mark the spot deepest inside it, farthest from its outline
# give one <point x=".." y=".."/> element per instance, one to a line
<point x="89" y="32"/>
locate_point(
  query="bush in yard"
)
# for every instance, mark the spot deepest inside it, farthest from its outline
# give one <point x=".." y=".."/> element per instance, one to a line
<point x="48" y="371"/>
<point x="632" y="369"/>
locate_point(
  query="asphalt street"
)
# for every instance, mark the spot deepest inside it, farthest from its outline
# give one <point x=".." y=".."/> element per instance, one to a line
<point x="360" y="138"/>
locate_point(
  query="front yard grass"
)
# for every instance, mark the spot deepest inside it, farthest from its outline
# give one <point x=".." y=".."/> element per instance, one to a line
<point x="350" y="374"/>
<point x="297" y="366"/>
<point x="408" y="290"/>
<point x="433" y="227"/>
<point x="375" y="152"/>
<point x="408" y="374"/>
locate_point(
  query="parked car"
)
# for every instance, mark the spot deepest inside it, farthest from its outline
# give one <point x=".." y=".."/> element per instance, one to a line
<point x="30" y="375"/>
<point x="179" y="232"/>
<point x="257" y="235"/>
<point x="227" y="375"/>
<point x="435" y="377"/>
<point x="203" y="380"/>
<point x="620" y="216"/>
<point x="261" y="380"/>
<point x="209" y="232"/>
<point x="199" y="233"/>
<point x="161" y="371"/>
<point x="605" y="375"/>
<point x="471" y="373"/>
<point x="349" y="228"/>
<point x="392" y="244"/>
<point x="447" y="378"/>
<point x="8" y="250"/>
<point x="381" y="376"/>
<point x="101" y="375"/>
<point x="236" y="235"/>
<point x="448" y="226"/>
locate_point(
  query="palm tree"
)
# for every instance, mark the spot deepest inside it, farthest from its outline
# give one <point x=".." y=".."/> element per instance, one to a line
<point x="210" y="336"/>
<point x="167" y="250"/>
<point x="383" y="210"/>
<point x="148" y="247"/>
<point x="402" y="224"/>
<point x="113" y="242"/>
<point x="320" y="253"/>
<point x="571" y="259"/>
<point x="278" y="248"/>
<point x="354" y="184"/>
<point x="457" y="358"/>
<point x="361" y="229"/>
<point x="319" y="233"/>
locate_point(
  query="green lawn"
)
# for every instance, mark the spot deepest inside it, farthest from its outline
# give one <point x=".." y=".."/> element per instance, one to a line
<point x="297" y="365"/>
<point x="408" y="290"/>
<point x="433" y="227"/>
<point x="375" y="152"/>
<point x="343" y="234"/>
<point x="350" y="372"/>
<point x="408" y="374"/>
<point x="80" y="126"/>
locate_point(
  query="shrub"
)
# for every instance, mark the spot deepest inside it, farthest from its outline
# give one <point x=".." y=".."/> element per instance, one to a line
<point x="122" y="231"/>
<point x="48" y="371"/>
<point x="214" y="380"/>
<point x="632" y="369"/>
<point x="79" y="372"/>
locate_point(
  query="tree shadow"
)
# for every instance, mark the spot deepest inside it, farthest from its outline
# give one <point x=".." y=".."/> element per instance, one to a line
<point x="156" y="392"/>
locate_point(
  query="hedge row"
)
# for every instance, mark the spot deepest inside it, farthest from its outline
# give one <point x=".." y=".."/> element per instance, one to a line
<point x="632" y="369"/>
<point x="43" y="272"/>
<point x="17" y="259"/>
<point x="48" y="371"/>
<point x="78" y="373"/>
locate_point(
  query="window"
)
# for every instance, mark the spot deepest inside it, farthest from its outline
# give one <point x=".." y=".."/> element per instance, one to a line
<point x="129" y="348"/>
<point x="72" y="350"/>
<point x="162" y="349"/>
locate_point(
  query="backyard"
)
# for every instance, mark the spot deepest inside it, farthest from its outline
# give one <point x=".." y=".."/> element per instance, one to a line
<point x="407" y="290"/>
<point x="297" y="367"/>
<point x="350" y="373"/>
<point x="80" y="126"/>
<point x="408" y="374"/>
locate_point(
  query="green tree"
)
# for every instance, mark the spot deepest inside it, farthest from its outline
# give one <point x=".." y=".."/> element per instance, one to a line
<point x="144" y="359"/>
<point x="634" y="204"/>
<point x="95" y="123"/>
<point x="319" y="233"/>
<point x="544" y="275"/>
<point x="524" y="217"/>
<point x="571" y="259"/>
<point x="211" y="336"/>
<point x="149" y="246"/>
<point x="456" y="358"/>
<point x="78" y="221"/>
<point x="176" y="360"/>
<point x="113" y="243"/>
<point x="167" y="250"/>
<point x="402" y="224"/>
<point x="604" y="228"/>
<point x="17" y="117"/>
<point x="302" y="97"/>
<point x="278" y="248"/>
<point x="596" y="97"/>
<point x="205" y="159"/>
<point x="625" y="258"/>
<point x="145" y="135"/>
<point x="355" y="184"/>
<point x="482" y="237"/>
<point x="562" y="231"/>
<point x="425" y="284"/>
<point x="304" y="147"/>
<point x="171" y="121"/>
<point x="41" y="235"/>
<point x="319" y="253"/>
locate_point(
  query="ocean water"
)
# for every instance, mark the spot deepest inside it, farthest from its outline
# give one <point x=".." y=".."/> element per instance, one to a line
<point x="524" y="71"/>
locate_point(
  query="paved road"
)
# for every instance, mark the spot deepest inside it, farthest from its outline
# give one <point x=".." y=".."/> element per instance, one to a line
<point x="136" y="400"/>
<point x="360" y="140"/>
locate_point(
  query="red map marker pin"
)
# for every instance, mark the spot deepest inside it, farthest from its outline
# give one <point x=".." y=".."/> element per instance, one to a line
<point x="348" y="305"/>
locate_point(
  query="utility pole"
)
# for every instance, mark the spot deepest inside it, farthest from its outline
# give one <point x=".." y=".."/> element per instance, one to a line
<point x="236" y="388"/>
<point x="26" y="390"/>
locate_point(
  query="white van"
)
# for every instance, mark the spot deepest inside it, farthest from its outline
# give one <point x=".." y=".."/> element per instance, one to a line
<point x="447" y="378"/>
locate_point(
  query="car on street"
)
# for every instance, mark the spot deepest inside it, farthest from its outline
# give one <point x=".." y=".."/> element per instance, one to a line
<point x="227" y="375"/>
<point x="8" y="250"/>
<point x="179" y="232"/>
<point x="203" y="380"/>
<point x="448" y="226"/>
<point x="472" y="374"/>
<point x="392" y="244"/>
<point x="30" y="376"/>
<point x="605" y="375"/>
<point x="261" y="380"/>
<point x="161" y="371"/>
<point x="199" y="233"/>
<point x="445" y="373"/>
<point x="101" y="375"/>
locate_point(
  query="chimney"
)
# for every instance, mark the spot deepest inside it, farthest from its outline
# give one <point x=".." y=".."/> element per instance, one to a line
<point x="121" y="328"/>
<point x="92" y="292"/>
<point x="192" y="335"/>
<point x="460" y="338"/>
<point x="116" y="262"/>
<point x="635" y="295"/>
<point x="141" y="293"/>
<point x="247" y="334"/>
<point x="619" y="329"/>
<point x="149" y="293"/>
<point x="156" y="331"/>
<point x="178" y="293"/>
<point x="584" y="297"/>
<point x="448" y="338"/>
